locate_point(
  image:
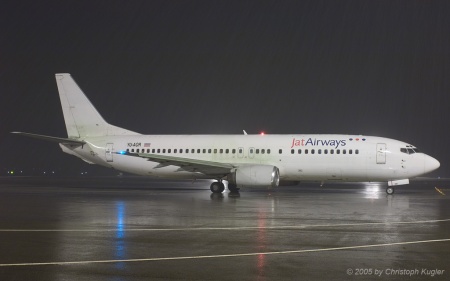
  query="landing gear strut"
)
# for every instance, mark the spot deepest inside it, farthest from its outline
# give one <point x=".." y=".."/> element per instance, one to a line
<point x="390" y="190"/>
<point x="217" y="187"/>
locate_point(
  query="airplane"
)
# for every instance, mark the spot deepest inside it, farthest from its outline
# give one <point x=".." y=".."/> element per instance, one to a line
<point x="246" y="160"/>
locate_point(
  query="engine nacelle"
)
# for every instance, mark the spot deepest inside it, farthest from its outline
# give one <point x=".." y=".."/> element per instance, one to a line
<point x="255" y="175"/>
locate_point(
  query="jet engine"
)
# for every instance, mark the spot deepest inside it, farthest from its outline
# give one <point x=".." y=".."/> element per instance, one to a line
<point x="255" y="175"/>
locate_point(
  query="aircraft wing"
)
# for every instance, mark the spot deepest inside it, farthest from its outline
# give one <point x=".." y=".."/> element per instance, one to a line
<point x="186" y="164"/>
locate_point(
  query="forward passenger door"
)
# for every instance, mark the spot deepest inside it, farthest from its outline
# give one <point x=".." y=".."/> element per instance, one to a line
<point x="381" y="153"/>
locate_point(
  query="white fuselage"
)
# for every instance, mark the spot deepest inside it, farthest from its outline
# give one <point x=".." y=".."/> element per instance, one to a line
<point x="241" y="160"/>
<point x="298" y="157"/>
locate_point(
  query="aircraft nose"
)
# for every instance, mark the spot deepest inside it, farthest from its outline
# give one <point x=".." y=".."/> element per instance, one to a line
<point x="431" y="164"/>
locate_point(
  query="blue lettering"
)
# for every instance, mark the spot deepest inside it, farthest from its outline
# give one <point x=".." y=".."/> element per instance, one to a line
<point x="309" y="142"/>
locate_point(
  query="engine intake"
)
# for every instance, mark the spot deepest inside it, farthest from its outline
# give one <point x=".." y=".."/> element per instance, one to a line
<point x="255" y="175"/>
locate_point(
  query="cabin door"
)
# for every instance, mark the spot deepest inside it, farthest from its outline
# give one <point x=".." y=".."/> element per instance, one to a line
<point x="381" y="153"/>
<point x="109" y="152"/>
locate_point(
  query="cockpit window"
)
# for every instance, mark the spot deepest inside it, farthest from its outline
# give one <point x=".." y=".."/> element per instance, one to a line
<point x="409" y="149"/>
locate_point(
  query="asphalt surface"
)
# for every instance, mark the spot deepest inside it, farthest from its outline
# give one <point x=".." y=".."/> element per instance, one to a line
<point x="139" y="229"/>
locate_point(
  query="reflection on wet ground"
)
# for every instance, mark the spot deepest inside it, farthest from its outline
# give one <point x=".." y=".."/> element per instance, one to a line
<point x="136" y="229"/>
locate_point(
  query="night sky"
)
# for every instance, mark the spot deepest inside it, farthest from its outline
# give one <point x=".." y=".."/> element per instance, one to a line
<point x="217" y="67"/>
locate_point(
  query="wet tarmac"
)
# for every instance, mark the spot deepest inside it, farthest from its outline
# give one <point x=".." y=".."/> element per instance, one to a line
<point x="139" y="229"/>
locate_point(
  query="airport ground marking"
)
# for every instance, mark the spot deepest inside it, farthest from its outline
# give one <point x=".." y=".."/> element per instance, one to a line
<point x="439" y="190"/>
<point x="226" y="255"/>
<point x="303" y="226"/>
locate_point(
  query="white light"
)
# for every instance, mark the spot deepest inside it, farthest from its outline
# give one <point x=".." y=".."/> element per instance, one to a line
<point x="372" y="191"/>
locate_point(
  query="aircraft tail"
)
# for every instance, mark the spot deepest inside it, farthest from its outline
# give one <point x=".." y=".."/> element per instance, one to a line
<point x="81" y="117"/>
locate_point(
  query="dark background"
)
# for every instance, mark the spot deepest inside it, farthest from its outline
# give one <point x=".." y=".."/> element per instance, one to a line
<point x="217" y="67"/>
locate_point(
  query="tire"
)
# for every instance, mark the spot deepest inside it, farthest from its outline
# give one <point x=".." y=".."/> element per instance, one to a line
<point x="233" y="188"/>
<point x="217" y="187"/>
<point x="390" y="190"/>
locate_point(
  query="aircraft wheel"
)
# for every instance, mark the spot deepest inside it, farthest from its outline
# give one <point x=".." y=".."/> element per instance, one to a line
<point x="233" y="188"/>
<point x="390" y="190"/>
<point x="217" y="187"/>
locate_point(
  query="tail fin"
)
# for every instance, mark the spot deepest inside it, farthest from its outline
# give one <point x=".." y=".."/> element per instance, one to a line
<point x="81" y="117"/>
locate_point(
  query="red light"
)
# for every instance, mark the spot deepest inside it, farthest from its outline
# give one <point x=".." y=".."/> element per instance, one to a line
<point x="262" y="133"/>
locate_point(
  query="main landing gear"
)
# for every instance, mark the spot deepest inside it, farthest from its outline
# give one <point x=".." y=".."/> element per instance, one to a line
<point x="219" y="187"/>
<point x="233" y="188"/>
<point x="390" y="190"/>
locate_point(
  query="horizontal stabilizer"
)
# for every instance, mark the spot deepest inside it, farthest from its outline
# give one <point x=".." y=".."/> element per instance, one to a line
<point x="52" y="139"/>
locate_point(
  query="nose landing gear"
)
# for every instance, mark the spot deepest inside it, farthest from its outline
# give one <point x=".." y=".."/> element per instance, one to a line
<point x="390" y="190"/>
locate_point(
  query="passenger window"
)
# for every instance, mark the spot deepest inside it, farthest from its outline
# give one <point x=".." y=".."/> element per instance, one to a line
<point x="169" y="150"/>
<point x="344" y="151"/>
<point x="192" y="150"/>
<point x="132" y="150"/>
<point x="350" y="151"/>
<point x="338" y="151"/>
<point x="263" y="151"/>
<point x="268" y="151"/>
<point x="221" y="151"/>
<point x="153" y="150"/>
<point x="257" y="151"/>
<point x="240" y="151"/>
<point x="209" y="150"/>
<point x="175" y="150"/>
<point x="187" y="150"/>
<point x="312" y="151"/>
<point x="292" y="151"/>
<point x="159" y="150"/>
<point x="128" y="150"/>
<point x="204" y="150"/>
<point x="215" y="150"/>
<point x="227" y="151"/>
<point x="251" y="150"/>
<point x="357" y="151"/>
<point x="280" y="151"/>
<point x="164" y="150"/>
<point x="306" y="151"/>
<point x="181" y="150"/>
<point x="320" y="151"/>
<point x="233" y="151"/>
<point x="299" y="151"/>
<point x="331" y="151"/>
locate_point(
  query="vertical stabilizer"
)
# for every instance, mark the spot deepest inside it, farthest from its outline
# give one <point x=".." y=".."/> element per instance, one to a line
<point x="81" y="117"/>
